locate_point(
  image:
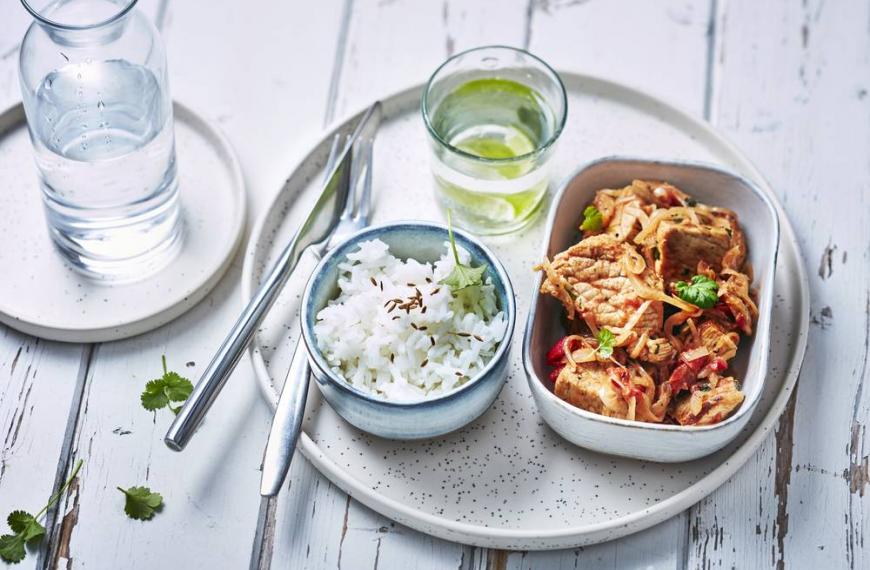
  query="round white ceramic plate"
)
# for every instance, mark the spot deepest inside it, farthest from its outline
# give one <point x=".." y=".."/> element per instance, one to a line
<point x="41" y="295"/>
<point x="507" y="480"/>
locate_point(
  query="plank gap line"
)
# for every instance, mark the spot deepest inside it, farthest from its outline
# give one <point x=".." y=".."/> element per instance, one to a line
<point x="710" y="72"/>
<point x="338" y="64"/>
<point x="160" y="16"/>
<point x="64" y="464"/>
<point x="264" y="536"/>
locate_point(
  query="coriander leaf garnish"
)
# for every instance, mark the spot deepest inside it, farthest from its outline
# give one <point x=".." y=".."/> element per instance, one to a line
<point x="605" y="342"/>
<point x="161" y="392"/>
<point x="701" y="292"/>
<point x="26" y="526"/>
<point x="462" y="276"/>
<point x="140" y="503"/>
<point x="592" y="219"/>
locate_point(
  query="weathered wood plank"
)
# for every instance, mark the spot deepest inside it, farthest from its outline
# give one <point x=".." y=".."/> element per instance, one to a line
<point x="389" y="45"/>
<point x="42" y="381"/>
<point x="38" y="388"/>
<point x="790" y="87"/>
<point x="660" y="47"/>
<point x="393" y="45"/>
<point x="269" y="101"/>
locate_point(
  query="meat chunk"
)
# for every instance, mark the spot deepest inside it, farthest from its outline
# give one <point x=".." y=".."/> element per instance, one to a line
<point x="657" y="351"/>
<point x="619" y="212"/>
<point x="718" y="340"/>
<point x="681" y="246"/>
<point x="589" y="278"/>
<point x="588" y="386"/>
<point x="736" y="255"/>
<point x="614" y="391"/>
<point x="709" y="404"/>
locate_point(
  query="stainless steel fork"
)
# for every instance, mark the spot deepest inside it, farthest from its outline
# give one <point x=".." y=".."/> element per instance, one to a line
<point x="287" y="423"/>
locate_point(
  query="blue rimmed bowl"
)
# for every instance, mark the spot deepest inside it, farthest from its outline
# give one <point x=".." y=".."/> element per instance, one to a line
<point x="423" y="241"/>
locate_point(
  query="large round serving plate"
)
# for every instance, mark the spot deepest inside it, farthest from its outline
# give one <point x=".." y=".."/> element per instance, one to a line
<point x="507" y="480"/>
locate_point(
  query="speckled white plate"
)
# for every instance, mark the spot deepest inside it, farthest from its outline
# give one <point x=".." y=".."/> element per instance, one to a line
<point x="507" y="480"/>
<point x="41" y="295"/>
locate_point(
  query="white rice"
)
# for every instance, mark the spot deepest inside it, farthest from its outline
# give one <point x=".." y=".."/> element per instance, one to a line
<point x="378" y="350"/>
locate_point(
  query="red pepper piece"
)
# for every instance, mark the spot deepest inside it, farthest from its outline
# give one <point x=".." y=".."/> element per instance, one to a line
<point x="556" y="354"/>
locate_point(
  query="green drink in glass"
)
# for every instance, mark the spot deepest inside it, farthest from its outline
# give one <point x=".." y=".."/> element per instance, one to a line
<point x="493" y="116"/>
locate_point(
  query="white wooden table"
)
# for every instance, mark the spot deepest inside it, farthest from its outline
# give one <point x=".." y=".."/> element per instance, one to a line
<point x="787" y="80"/>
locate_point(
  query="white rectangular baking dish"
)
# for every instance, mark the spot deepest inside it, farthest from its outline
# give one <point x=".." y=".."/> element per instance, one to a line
<point x="545" y="325"/>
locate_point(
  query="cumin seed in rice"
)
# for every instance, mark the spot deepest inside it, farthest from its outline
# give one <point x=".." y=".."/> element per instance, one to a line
<point x="381" y="285"/>
<point x="374" y="283"/>
<point x="392" y="357"/>
<point x="436" y="291"/>
<point x="424" y="363"/>
<point x="428" y="280"/>
<point x="415" y="327"/>
<point x="432" y="340"/>
<point x="458" y="373"/>
<point x="463" y="335"/>
<point x="478" y="338"/>
<point x="397" y="317"/>
<point x="424" y="310"/>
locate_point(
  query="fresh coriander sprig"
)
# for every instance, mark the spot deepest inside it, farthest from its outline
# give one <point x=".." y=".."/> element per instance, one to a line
<point x="702" y="292"/>
<point x="161" y="392"/>
<point x="605" y="342"/>
<point x="592" y="219"/>
<point x="462" y="276"/>
<point x="26" y="526"/>
<point x="140" y="503"/>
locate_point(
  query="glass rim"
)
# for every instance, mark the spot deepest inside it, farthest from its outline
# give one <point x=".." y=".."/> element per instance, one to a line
<point x="539" y="149"/>
<point x="41" y="18"/>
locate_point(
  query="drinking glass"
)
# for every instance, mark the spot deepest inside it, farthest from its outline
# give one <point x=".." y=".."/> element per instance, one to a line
<point x="493" y="115"/>
<point x="94" y="84"/>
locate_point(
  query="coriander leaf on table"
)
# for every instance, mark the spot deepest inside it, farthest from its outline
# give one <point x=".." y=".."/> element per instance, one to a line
<point x="462" y="276"/>
<point x="605" y="342"/>
<point x="592" y="219"/>
<point x="26" y="529"/>
<point x="701" y="292"/>
<point x="140" y="503"/>
<point x="26" y="526"/>
<point x="161" y="392"/>
<point x="12" y="548"/>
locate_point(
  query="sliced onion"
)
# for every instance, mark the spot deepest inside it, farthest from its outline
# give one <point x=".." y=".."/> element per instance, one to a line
<point x="583" y="355"/>
<point x="694" y="354"/>
<point x="628" y="329"/>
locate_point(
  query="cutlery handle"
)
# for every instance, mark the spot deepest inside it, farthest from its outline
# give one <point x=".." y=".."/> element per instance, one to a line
<point x="231" y="350"/>
<point x="286" y="424"/>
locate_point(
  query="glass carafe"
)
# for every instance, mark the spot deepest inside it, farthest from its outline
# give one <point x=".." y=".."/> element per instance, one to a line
<point x="94" y="84"/>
